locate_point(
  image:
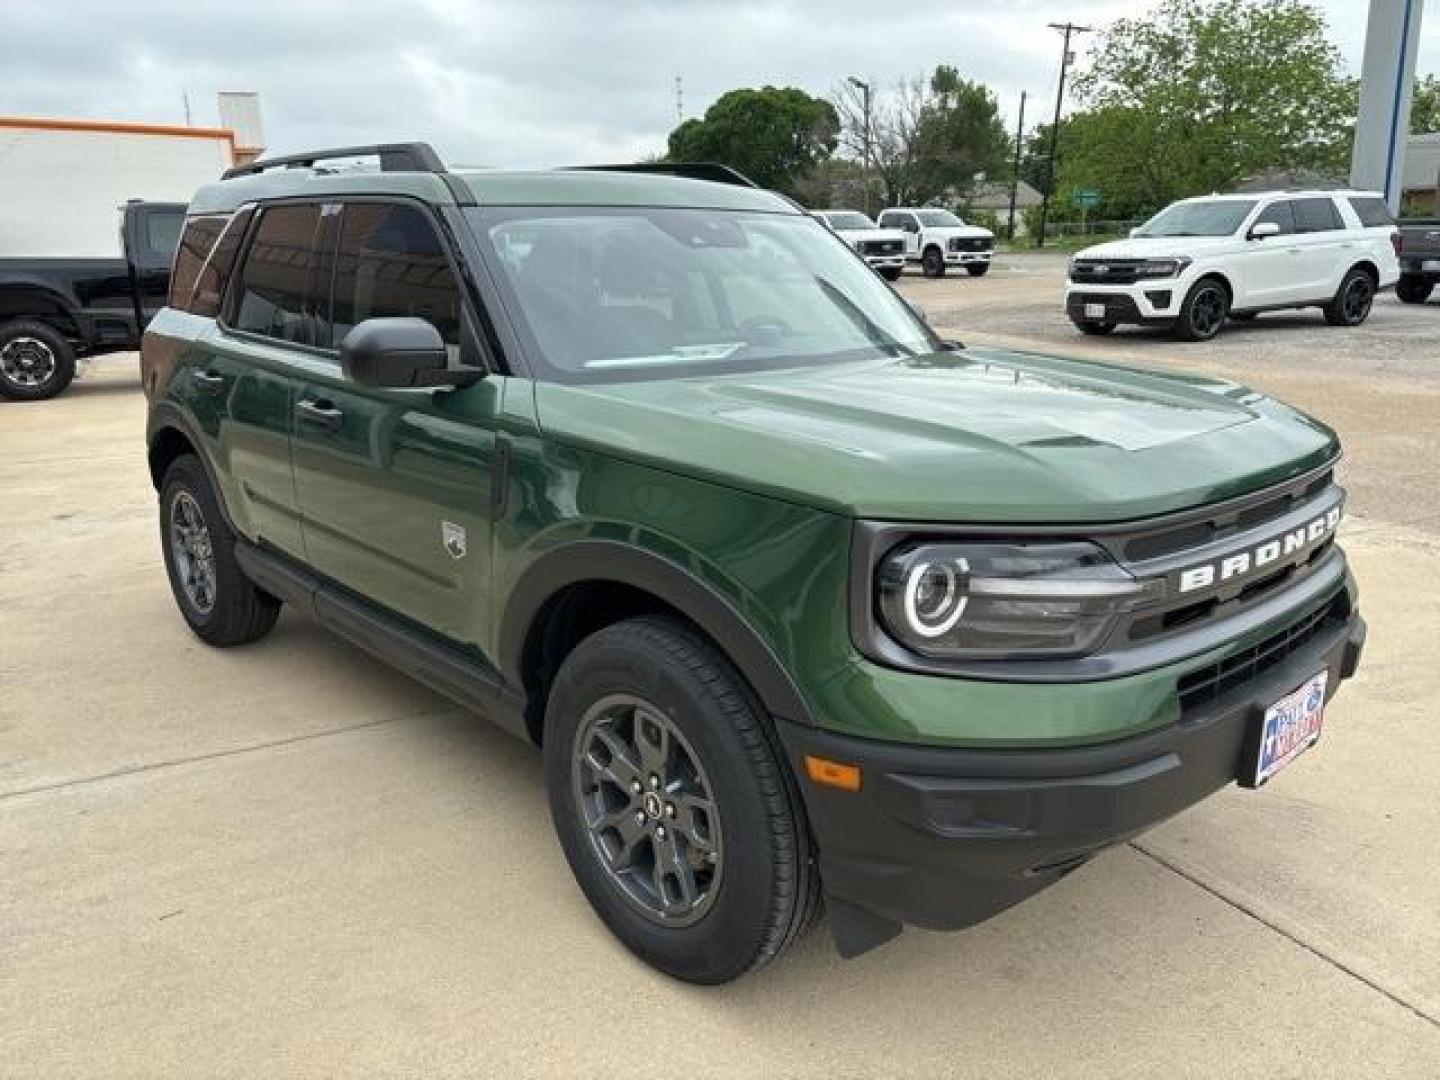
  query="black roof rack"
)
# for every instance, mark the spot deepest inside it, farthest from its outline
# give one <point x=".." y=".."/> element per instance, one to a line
<point x="691" y="170"/>
<point x="394" y="157"/>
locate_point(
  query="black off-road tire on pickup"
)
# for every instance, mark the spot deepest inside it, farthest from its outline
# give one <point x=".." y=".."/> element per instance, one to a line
<point x="892" y="273"/>
<point x="36" y="360"/>
<point x="1204" y="310"/>
<point x="1413" y="289"/>
<point x="977" y="269"/>
<point x="219" y="603"/>
<point x="932" y="262"/>
<point x="704" y="895"/>
<point x="1352" y="301"/>
<point x="1092" y="328"/>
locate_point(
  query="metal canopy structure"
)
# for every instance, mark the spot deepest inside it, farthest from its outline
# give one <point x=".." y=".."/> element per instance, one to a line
<point x="1387" y="80"/>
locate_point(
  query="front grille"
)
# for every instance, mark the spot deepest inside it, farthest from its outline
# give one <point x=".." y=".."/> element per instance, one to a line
<point x="1106" y="271"/>
<point x="1209" y="683"/>
<point x="880" y="247"/>
<point x="1119" y="307"/>
<point x="966" y="243"/>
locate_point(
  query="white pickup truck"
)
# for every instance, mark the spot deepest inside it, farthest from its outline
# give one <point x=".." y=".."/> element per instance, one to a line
<point x="883" y="249"/>
<point x="937" y="239"/>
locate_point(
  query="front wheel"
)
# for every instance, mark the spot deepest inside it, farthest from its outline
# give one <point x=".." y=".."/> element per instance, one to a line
<point x="1352" y="301"/>
<point x="220" y="604"/>
<point x="933" y="263"/>
<point x="1203" y="312"/>
<point x="1413" y="289"/>
<point x="36" y="362"/>
<point x="679" y="820"/>
<point x="977" y="269"/>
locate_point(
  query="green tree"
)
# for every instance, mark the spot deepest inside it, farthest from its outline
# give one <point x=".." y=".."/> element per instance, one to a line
<point x="1202" y="93"/>
<point x="774" y="135"/>
<point x="960" y="134"/>
<point x="1425" y="106"/>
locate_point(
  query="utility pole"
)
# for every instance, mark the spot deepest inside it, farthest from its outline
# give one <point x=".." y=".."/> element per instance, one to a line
<point x="864" y="89"/>
<point x="679" y="100"/>
<point x="1015" y="173"/>
<point x="1066" y="28"/>
<point x="185" y="97"/>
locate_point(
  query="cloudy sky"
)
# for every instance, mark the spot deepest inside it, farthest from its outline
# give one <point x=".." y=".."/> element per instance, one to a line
<point x="523" y="82"/>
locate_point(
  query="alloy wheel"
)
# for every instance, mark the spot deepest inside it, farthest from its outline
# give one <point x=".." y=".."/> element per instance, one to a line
<point x="1357" y="300"/>
<point x="193" y="551"/>
<point x="27" y="361"/>
<point x="648" y="808"/>
<point x="1207" y="311"/>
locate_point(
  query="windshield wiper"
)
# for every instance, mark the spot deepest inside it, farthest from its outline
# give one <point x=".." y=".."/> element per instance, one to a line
<point x="878" y="337"/>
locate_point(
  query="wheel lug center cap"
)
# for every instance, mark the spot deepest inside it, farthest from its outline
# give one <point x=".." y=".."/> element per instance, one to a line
<point x="653" y="805"/>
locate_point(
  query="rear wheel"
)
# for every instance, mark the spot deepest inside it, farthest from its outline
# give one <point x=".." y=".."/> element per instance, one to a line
<point x="1203" y="312"/>
<point x="1352" y="301"/>
<point x="933" y="262"/>
<point x="679" y="820"/>
<point x="36" y="362"/>
<point x="1413" y="289"/>
<point x="978" y="269"/>
<point x="220" y="604"/>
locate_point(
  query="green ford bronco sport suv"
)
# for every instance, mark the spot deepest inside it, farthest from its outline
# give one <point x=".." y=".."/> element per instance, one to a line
<point x="801" y="603"/>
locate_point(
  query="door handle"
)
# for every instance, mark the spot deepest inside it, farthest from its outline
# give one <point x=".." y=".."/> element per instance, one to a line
<point x="320" y="413"/>
<point x="207" y="382"/>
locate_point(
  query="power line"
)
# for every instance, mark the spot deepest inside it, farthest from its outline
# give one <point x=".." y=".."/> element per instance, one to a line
<point x="1066" y="28"/>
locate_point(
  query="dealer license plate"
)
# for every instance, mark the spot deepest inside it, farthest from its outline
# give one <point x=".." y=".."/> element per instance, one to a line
<point x="1430" y="266"/>
<point x="1094" y="311"/>
<point x="1290" y="727"/>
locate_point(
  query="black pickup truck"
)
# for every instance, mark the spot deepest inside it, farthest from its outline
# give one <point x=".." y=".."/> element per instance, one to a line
<point x="57" y="313"/>
<point x="1419" y="259"/>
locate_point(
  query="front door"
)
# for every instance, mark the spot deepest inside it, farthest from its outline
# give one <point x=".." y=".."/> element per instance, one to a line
<point x="1272" y="267"/>
<point x="395" y="485"/>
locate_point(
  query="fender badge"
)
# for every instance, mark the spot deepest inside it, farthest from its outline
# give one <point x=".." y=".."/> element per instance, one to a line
<point x="452" y="538"/>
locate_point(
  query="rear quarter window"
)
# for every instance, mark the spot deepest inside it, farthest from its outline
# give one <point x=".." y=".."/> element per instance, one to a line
<point x="196" y="243"/>
<point x="1372" y="212"/>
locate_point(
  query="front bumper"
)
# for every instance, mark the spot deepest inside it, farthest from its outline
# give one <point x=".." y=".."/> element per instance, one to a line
<point x="944" y="838"/>
<point x="886" y="262"/>
<point x="1152" y="301"/>
<point x="964" y="258"/>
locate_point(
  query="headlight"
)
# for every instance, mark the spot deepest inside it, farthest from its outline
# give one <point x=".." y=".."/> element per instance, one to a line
<point x="1162" y="268"/>
<point x="992" y="601"/>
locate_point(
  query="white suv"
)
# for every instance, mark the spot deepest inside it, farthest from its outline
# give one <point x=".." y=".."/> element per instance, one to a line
<point x="937" y="239"/>
<point x="1202" y="260"/>
<point x="883" y="249"/>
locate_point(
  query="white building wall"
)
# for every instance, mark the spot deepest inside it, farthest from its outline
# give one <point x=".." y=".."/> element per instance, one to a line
<point x="61" y="188"/>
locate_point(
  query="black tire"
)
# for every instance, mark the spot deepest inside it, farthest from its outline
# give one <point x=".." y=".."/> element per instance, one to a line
<point x="1244" y="316"/>
<point x="932" y="262"/>
<point x="36" y="361"/>
<point x="891" y="273"/>
<point x="763" y="889"/>
<point x="232" y="611"/>
<point x="1094" y="329"/>
<point x="1413" y="289"/>
<point x="1203" y="313"/>
<point x="977" y="269"/>
<point x="1352" y="301"/>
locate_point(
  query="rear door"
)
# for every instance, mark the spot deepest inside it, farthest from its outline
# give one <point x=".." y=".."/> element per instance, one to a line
<point x="395" y="485"/>
<point x="151" y="234"/>
<point x="1321" y="235"/>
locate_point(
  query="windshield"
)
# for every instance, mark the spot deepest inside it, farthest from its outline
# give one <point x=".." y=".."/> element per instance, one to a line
<point x="938" y="219"/>
<point x="848" y="220"/>
<point x="1205" y="217"/>
<point x="617" y="293"/>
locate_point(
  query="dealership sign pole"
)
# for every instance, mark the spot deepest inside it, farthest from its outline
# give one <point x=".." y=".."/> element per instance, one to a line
<point x="1392" y="39"/>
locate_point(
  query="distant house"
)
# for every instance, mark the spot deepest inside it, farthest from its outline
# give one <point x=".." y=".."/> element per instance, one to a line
<point x="1420" y="180"/>
<point x="1289" y="180"/>
<point x="996" y="197"/>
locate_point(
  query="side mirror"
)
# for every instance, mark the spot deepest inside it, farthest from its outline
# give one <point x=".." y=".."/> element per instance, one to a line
<point x="401" y="353"/>
<point x="1262" y="229"/>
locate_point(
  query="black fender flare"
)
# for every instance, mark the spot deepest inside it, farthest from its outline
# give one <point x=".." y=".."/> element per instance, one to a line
<point x="166" y="415"/>
<point x="623" y="564"/>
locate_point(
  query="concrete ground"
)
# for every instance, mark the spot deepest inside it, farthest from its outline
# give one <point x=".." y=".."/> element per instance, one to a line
<point x="287" y="860"/>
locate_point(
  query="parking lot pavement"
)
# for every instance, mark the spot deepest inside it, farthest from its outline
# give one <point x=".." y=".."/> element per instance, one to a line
<point x="286" y="860"/>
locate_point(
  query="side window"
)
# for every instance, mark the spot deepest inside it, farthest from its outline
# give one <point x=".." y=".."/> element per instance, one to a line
<point x="1372" y="211"/>
<point x="889" y="220"/>
<point x="162" y="233"/>
<point x="277" y="282"/>
<point x="1282" y="213"/>
<point x="196" y="243"/>
<point x="391" y="262"/>
<point x="215" y="274"/>
<point x="1316" y="215"/>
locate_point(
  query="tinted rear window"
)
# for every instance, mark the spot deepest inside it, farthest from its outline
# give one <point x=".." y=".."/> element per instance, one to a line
<point x="215" y="274"/>
<point x="196" y="243"/>
<point x="1316" y="215"/>
<point x="1372" y="211"/>
<point x="277" y="281"/>
<point x="162" y="232"/>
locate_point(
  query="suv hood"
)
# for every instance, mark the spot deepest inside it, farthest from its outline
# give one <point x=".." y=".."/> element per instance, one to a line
<point x="1150" y="247"/>
<point x="854" y="236"/>
<point x="983" y="435"/>
<point x="969" y="232"/>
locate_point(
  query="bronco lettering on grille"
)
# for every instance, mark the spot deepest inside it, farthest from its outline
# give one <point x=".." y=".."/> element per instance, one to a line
<point x="1255" y="558"/>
